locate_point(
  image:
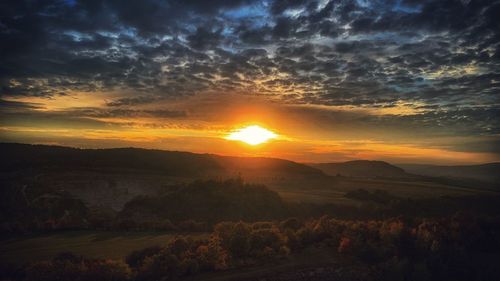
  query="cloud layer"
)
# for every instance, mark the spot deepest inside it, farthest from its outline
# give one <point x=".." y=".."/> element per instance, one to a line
<point x="391" y="67"/>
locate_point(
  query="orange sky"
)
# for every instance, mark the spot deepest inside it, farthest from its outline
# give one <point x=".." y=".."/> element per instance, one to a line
<point x="336" y="80"/>
<point x="305" y="133"/>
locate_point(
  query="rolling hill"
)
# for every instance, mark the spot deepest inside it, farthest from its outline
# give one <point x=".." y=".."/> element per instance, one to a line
<point x="17" y="157"/>
<point x="109" y="178"/>
<point x="112" y="177"/>
<point x="485" y="173"/>
<point x="363" y="169"/>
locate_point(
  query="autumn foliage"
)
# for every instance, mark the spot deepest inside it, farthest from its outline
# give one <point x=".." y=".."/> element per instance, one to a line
<point x="392" y="249"/>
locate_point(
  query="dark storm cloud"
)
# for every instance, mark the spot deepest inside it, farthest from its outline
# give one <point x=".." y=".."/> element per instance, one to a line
<point x="426" y="55"/>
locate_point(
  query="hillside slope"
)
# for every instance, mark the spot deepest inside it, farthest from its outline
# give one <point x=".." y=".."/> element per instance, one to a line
<point x="18" y="157"/>
<point x="172" y="163"/>
<point x="363" y="169"/>
<point x="489" y="172"/>
<point x="112" y="177"/>
<point x="260" y="167"/>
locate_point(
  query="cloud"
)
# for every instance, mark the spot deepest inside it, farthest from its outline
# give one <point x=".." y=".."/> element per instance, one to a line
<point x="427" y="63"/>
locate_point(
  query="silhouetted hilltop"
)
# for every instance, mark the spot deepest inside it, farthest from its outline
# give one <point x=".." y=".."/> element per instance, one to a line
<point x="252" y="167"/>
<point x="489" y="172"/>
<point x="17" y="157"/>
<point x="363" y="169"/>
<point x="173" y="163"/>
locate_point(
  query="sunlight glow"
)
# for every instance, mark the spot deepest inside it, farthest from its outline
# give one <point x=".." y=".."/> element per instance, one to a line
<point x="252" y="135"/>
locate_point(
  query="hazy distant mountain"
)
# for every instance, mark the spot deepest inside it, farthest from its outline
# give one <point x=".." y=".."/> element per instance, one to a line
<point x="362" y="169"/>
<point x="489" y="173"/>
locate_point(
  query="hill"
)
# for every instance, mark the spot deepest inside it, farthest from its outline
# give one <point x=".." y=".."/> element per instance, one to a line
<point x="183" y="164"/>
<point x="17" y="157"/>
<point x="363" y="169"/>
<point x="256" y="168"/>
<point x="109" y="178"/>
<point x="487" y="173"/>
<point x="112" y="177"/>
<point x="209" y="201"/>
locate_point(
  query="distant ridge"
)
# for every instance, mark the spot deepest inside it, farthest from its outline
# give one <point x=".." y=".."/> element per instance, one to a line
<point x="17" y="156"/>
<point x="362" y="169"/>
<point x="25" y="156"/>
<point x="489" y="172"/>
<point x="22" y="157"/>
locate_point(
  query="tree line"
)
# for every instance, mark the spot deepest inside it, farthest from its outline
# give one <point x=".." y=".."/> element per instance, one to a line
<point x="199" y="205"/>
<point x="449" y="248"/>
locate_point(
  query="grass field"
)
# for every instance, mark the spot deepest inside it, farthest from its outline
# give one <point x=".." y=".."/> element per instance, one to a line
<point x="334" y="189"/>
<point x="94" y="244"/>
<point x="116" y="245"/>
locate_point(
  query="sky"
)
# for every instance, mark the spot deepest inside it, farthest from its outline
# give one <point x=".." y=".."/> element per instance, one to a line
<point x="403" y="81"/>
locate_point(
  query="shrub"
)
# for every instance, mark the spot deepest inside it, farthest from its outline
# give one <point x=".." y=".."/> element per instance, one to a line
<point x="291" y="240"/>
<point x="136" y="258"/>
<point x="345" y="245"/>
<point x="291" y="223"/>
<point x="238" y="242"/>
<point x="305" y="236"/>
<point x="260" y="239"/>
<point x="178" y="246"/>
<point x="159" y="266"/>
<point x="262" y="225"/>
<point x="395" y="249"/>
<point x="106" y="270"/>
<point x="78" y="270"/>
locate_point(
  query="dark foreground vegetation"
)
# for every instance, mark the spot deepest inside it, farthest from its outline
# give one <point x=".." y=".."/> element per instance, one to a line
<point x="460" y="247"/>
<point x="236" y="226"/>
<point x="190" y="207"/>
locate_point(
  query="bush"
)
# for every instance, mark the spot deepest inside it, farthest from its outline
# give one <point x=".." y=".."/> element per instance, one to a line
<point x="67" y="268"/>
<point x="262" y="225"/>
<point x="394" y="249"/>
<point x="305" y="236"/>
<point x="238" y="242"/>
<point x="291" y="223"/>
<point x="136" y="258"/>
<point x="272" y="238"/>
<point x="106" y="270"/>
<point x="160" y="266"/>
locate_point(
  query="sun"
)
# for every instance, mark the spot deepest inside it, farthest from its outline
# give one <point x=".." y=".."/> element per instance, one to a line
<point x="252" y="135"/>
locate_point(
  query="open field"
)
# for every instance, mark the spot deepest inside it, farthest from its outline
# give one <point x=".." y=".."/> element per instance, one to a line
<point x="92" y="244"/>
<point x="333" y="190"/>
